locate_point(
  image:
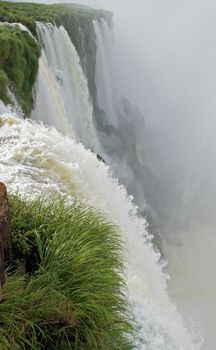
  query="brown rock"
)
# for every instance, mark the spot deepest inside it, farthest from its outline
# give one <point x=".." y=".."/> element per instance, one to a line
<point x="5" y="234"/>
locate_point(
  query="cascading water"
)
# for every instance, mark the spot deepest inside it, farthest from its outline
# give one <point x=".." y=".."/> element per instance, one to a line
<point x="66" y="104"/>
<point x="107" y="97"/>
<point x="36" y="160"/>
<point x="118" y="133"/>
<point x="49" y="101"/>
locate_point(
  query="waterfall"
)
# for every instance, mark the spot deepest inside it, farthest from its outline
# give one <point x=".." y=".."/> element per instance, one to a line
<point x="118" y="131"/>
<point x="37" y="160"/>
<point x="49" y="105"/>
<point x="33" y="160"/>
<point x="66" y="103"/>
<point x="107" y="97"/>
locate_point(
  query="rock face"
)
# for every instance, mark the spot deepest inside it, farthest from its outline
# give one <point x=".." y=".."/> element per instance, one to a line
<point x="5" y="234"/>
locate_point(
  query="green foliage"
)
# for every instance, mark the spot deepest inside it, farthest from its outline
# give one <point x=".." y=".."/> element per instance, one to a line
<point x="19" y="54"/>
<point x="75" y="299"/>
<point x="4" y="86"/>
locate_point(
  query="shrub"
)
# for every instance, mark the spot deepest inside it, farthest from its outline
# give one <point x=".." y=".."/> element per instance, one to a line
<point x="19" y="54"/>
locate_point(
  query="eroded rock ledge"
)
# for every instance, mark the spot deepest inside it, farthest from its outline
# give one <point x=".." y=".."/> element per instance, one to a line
<point x="5" y="234"/>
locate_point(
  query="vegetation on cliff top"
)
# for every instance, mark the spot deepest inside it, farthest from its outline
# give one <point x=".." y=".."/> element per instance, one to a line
<point x="19" y="54"/>
<point x="28" y="13"/>
<point x="73" y="297"/>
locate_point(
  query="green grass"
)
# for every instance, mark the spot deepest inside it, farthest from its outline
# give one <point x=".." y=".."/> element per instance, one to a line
<point x="75" y="298"/>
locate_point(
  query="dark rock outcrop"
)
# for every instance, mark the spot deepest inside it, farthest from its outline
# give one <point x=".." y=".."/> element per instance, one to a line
<point x="5" y="234"/>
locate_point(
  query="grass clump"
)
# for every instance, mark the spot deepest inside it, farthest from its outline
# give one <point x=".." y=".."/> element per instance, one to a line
<point x="19" y="54"/>
<point x="74" y="296"/>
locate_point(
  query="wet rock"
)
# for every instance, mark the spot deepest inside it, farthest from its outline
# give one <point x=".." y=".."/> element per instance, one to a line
<point x="100" y="158"/>
<point x="5" y="234"/>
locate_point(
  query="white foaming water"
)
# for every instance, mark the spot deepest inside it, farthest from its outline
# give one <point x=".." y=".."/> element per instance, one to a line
<point x="16" y="25"/>
<point x="11" y="108"/>
<point x="37" y="160"/>
<point x="62" y="97"/>
<point x="3" y="108"/>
